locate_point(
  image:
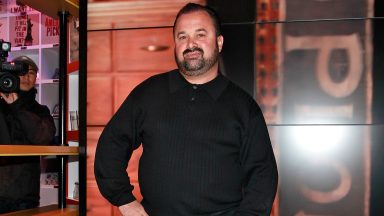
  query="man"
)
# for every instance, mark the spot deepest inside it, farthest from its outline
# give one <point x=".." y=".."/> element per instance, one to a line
<point x="206" y="148"/>
<point x="27" y="123"/>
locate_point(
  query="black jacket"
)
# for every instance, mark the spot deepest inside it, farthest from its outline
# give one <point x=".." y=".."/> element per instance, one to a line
<point x="27" y="123"/>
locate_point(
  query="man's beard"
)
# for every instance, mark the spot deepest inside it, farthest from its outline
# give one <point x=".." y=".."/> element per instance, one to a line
<point x="198" y="66"/>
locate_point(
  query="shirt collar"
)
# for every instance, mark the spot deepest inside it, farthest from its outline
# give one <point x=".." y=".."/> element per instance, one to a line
<point x="214" y="87"/>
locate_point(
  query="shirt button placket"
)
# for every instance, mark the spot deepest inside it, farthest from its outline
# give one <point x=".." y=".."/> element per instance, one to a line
<point x="193" y="98"/>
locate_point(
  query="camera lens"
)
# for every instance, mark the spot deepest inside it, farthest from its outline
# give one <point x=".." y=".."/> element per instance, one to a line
<point x="7" y="83"/>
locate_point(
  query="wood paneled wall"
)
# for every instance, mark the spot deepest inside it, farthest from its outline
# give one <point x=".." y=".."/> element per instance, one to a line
<point x="118" y="60"/>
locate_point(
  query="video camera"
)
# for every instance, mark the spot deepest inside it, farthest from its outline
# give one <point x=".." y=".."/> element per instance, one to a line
<point x="10" y="71"/>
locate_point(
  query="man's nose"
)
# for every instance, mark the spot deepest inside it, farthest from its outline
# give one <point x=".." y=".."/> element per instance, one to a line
<point x="191" y="43"/>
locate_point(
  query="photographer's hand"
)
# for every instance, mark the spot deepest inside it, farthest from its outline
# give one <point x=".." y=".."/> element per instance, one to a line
<point x="9" y="97"/>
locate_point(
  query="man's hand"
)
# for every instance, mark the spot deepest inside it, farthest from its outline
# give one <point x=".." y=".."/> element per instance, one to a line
<point x="133" y="209"/>
<point x="9" y="97"/>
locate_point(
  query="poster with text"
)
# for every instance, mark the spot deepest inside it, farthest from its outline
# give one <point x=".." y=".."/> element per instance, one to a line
<point x="50" y="30"/>
<point x="325" y="152"/>
<point x="24" y="30"/>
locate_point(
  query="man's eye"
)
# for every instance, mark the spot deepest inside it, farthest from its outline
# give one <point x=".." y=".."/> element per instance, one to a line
<point x="182" y="37"/>
<point x="200" y="35"/>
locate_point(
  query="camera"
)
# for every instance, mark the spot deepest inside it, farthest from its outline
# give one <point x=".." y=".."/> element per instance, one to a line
<point x="10" y="71"/>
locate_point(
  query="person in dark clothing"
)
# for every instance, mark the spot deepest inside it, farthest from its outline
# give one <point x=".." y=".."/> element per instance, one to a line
<point x="23" y="121"/>
<point x="206" y="147"/>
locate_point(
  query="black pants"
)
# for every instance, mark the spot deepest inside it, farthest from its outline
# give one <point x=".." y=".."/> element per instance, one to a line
<point x="11" y="206"/>
<point x="4" y="133"/>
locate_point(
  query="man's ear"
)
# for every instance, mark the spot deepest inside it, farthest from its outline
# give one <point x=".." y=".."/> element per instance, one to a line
<point x="220" y="42"/>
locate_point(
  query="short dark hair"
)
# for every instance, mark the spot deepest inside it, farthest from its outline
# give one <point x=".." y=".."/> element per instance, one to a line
<point x="27" y="60"/>
<point x="193" y="7"/>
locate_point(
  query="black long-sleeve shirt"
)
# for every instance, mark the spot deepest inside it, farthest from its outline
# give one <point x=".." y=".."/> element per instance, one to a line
<point x="206" y="148"/>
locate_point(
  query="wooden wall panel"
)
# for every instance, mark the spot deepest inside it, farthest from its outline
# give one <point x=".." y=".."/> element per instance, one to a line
<point x="93" y="134"/>
<point x="99" y="100"/>
<point x="133" y="168"/>
<point x="116" y="211"/>
<point x="131" y="52"/>
<point x="117" y="62"/>
<point x="119" y="14"/>
<point x="124" y="84"/>
<point x="99" y="52"/>
<point x="96" y="204"/>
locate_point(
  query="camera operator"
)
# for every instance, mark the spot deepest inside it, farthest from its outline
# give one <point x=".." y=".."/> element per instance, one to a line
<point x="27" y="123"/>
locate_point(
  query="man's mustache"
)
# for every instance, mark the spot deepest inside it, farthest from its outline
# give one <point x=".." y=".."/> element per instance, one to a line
<point x="192" y="50"/>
